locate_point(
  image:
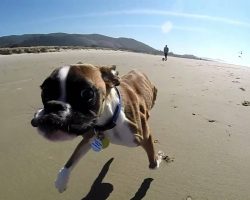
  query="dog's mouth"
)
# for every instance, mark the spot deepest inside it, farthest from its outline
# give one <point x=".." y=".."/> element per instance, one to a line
<point x="62" y="125"/>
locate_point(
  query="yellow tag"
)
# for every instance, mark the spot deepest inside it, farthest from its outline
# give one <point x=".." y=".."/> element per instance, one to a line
<point x="105" y="143"/>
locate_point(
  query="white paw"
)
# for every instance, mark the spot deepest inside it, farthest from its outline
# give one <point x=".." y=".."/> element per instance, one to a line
<point x="62" y="179"/>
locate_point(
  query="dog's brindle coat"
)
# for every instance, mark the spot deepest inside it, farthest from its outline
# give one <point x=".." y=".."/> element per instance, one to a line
<point x="80" y="96"/>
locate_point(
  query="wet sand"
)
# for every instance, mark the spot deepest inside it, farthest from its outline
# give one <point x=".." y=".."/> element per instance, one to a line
<point x="199" y="120"/>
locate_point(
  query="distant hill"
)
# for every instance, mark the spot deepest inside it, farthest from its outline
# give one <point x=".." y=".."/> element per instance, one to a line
<point x="82" y="40"/>
<point x="40" y="43"/>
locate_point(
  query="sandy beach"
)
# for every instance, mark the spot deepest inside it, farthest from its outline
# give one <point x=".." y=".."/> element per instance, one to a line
<point x="198" y="120"/>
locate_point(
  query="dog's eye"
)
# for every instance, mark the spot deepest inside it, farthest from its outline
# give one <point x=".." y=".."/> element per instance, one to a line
<point x="87" y="94"/>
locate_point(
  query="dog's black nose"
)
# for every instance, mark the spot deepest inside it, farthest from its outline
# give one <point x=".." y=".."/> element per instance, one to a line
<point x="34" y="122"/>
<point x="54" y="106"/>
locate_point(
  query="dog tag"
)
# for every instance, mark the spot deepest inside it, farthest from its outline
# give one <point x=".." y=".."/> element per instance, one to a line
<point x="105" y="143"/>
<point x="96" y="145"/>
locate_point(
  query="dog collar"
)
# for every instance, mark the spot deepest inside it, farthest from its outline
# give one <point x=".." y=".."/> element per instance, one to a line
<point x="112" y="122"/>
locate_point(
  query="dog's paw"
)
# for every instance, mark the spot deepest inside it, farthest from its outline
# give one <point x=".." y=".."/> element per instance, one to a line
<point x="62" y="179"/>
<point x="160" y="156"/>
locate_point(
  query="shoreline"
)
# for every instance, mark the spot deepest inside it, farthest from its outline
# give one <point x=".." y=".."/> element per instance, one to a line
<point x="57" y="49"/>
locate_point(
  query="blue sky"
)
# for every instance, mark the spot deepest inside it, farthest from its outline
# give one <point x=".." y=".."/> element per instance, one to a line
<point x="217" y="29"/>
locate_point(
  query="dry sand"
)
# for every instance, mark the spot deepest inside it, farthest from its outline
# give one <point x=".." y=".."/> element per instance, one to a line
<point x="199" y="120"/>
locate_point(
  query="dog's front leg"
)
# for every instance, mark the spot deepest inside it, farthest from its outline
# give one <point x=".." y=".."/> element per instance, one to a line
<point x="64" y="173"/>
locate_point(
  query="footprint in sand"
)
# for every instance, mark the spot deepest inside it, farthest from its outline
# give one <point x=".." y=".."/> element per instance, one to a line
<point x="243" y="89"/>
<point x="164" y="157"/>
<point x="209" y="120"/>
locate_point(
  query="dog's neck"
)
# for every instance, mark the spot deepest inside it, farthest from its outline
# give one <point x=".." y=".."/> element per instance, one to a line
<point x="109" y="107"/>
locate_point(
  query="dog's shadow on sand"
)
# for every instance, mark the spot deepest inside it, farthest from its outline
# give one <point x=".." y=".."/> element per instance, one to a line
<point x="141" y="193"/>
<point x="101" y="191"/>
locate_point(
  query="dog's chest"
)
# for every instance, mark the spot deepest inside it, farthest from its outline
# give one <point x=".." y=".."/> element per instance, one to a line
<point x="121" y="134"/>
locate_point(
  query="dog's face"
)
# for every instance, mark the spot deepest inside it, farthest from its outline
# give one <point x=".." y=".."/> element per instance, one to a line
<point x="73" y="97"/>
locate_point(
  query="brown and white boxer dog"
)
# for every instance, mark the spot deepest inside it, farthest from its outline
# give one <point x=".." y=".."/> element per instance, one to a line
<point x="89" y="101"/>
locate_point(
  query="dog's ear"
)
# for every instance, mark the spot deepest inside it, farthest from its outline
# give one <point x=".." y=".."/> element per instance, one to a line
<point x="110" y="75"/>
